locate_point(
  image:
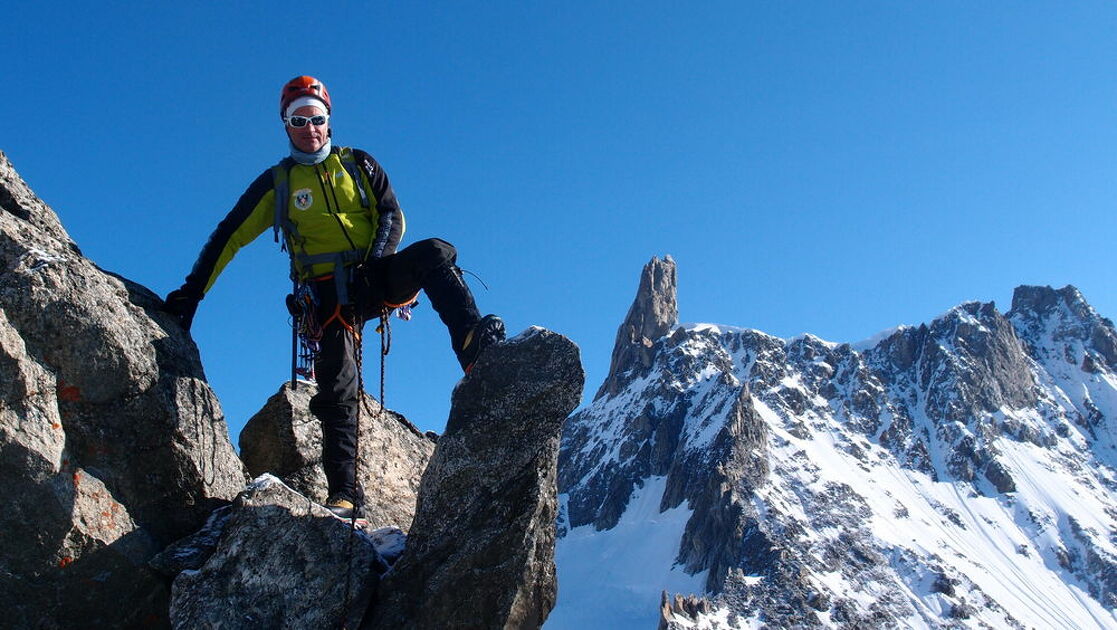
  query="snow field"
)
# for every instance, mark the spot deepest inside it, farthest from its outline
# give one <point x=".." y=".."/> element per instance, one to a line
<point x="614" y="579"/>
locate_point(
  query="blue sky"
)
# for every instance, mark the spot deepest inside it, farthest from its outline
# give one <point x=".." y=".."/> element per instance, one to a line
<point x="823" y="167"/>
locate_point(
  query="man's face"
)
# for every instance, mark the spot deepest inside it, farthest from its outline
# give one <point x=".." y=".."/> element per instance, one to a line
<point x="309" y="138"/>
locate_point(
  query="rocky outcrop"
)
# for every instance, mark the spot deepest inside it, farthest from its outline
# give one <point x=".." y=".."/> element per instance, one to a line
<point x="282" y="562"/>
<point x="480" y="553"/>
<point x="653" y="314"/>
<point x="111" y="443"/>
<point x="285" y="439"/>
<point x="679" y="612"/>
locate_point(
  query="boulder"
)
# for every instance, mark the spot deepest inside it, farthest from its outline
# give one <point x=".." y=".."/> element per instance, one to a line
<point x="285" y="439"/>
<point x="480" y="553"/>
<point x="111" y="443"/>
<point x="282" y="562"/>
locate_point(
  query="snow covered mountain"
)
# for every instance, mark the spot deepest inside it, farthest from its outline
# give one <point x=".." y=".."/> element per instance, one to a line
<point x="961" y="473"/>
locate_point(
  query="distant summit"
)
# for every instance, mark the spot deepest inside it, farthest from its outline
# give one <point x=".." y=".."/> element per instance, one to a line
<point x="959" y="473"/>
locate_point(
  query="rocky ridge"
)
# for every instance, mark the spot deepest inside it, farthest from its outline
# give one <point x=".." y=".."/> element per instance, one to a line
<point x="485" y="518"/>
<point x="835" y="486"/>
<point x="118" y="474"/>
<point x="112" y="445"/>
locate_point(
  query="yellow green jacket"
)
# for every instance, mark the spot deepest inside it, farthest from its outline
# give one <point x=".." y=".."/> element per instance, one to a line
<point x="325" y="216"/>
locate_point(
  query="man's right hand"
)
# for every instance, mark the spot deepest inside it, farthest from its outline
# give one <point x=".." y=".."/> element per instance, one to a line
<point x="368" y="283"/>
<point x="182" y="304"/>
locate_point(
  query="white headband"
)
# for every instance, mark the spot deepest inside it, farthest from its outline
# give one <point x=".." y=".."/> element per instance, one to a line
<point x="303" y="101"/>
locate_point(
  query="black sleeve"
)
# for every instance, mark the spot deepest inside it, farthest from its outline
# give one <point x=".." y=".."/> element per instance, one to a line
<point x="390" y="222"/>
<point x="221" y="247"/>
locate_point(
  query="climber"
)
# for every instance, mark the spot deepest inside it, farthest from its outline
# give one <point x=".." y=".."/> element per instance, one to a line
<point x="341" y="225"/>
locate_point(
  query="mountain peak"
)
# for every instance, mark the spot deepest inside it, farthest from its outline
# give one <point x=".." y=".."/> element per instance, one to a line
<point x="1039" y="299"/>
<point x="653" y="314"/>
<point x="1046" y="317"/>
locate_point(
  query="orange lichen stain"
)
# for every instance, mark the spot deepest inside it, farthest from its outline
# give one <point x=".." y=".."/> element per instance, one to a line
<point x="65" y="562"/>
<point x="69" y="393"/>
<point x="77" y="478"/>
<point x="106" y="515"/>
<point x="55" y="426"/>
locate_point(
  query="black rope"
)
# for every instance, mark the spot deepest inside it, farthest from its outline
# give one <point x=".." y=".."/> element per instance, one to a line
<point x="294" y="337"/>
<point x="385" y="331"/>
<point x="358" y="349"/>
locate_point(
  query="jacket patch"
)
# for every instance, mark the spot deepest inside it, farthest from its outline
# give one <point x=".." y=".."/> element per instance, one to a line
<point x="303" y="198"/>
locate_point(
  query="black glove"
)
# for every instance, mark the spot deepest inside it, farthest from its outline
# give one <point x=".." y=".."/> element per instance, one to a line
<point x="182" y="304"/>
<point x="368" y="287"/>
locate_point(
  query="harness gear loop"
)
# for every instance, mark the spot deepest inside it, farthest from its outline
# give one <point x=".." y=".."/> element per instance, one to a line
<point x="306" y="331"/>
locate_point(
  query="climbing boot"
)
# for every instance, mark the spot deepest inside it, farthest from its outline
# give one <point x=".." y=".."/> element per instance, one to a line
<point x="489" y="331"/>
<point x="342" y="507"/>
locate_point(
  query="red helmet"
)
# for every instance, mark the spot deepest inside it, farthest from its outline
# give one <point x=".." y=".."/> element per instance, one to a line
<point x="302" y="86"/>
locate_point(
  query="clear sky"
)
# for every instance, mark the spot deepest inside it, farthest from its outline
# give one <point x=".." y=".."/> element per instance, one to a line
<point x="824" y="167"/>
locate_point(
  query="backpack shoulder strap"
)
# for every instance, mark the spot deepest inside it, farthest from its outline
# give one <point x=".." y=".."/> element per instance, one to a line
<point x="280" y="183"/>
<point x="350" y="164"/>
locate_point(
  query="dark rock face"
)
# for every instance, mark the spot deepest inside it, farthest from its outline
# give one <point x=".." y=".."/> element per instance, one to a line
<point x="285" y="439"/>
<point x="723" y="534"/>
<point x="480" y="553"/>
<point x="653" y="314"/>
<point x="191" y="552"/>
<point x="111" y="443"/>
<point x="282" y="562"/>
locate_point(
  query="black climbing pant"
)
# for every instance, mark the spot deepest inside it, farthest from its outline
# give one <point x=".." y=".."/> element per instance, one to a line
<point x="396" y="279"/>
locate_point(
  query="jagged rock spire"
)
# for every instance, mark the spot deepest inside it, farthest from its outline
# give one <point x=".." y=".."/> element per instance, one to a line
<point x="653" y="314"/>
